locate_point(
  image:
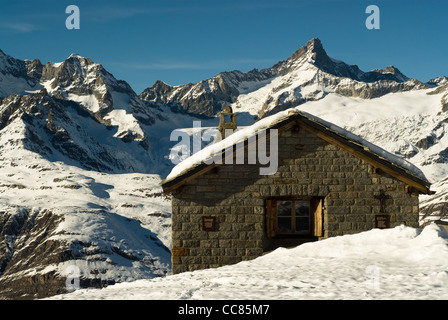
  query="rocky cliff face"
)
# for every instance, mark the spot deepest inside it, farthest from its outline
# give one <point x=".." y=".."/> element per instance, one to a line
<point x="24" y="247"/>
<point x="205" y="98"/>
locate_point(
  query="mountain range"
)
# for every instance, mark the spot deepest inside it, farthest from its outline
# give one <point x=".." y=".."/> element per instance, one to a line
<point x="308" y="75"/>
<point x="82" y="154"/>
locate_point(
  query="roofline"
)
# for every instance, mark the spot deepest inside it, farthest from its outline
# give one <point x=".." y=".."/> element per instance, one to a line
<point x="367" y="155"/>
<point x="327" y="134"/>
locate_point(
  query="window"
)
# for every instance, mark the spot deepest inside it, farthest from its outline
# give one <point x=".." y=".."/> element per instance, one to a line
<point x="291" y="217"/>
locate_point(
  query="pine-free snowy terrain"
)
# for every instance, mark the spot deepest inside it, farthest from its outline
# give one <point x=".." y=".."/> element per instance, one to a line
<point x="399" y="263"/>
<point x="111" y="227"/>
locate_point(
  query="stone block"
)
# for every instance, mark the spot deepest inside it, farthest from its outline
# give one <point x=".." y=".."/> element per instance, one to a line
<point x="207" y="188"/>
<point x="346" y="226"/>
<point x="361" y="210"/>
<point x="186" y="226"/>
<point x="231" y="252"/>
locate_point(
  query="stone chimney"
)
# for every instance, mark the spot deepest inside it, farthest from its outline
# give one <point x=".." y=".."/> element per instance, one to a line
<point x="227" y="122"/>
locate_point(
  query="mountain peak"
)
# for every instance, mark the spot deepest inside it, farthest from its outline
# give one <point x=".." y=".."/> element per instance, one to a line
<point x="388" y="69"/>
<point x="79" y="58"/>
<point x="74" y="55"/>
<point x="315" y="44"/>
<point x="438" y="81"/>
<point x="312" y="52"/>
<point x="391" y="70"/>
<point x="313" y="49"/>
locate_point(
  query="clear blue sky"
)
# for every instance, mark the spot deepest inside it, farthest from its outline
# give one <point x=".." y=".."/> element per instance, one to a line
<point x="183" y="41"/>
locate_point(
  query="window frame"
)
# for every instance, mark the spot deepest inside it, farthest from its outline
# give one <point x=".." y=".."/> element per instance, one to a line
<point x="315" y="217"/>
<point x="293" y="217"/>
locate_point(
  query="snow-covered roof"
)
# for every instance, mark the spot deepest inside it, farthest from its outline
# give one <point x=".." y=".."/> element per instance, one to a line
<point x="200" y="158"/>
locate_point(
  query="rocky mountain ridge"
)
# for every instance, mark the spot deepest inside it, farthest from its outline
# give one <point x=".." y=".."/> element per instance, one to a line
<point x="80" y="80"/>
<point x="307" y="75"/>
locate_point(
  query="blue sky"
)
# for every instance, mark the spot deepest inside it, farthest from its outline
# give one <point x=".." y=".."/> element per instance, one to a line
<point x="141" y="41"/>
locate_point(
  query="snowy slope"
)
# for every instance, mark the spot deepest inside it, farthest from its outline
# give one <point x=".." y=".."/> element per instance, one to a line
<point x="399" y="263"/>
<point x="113" y="227"/>
<point x="73" y="194"/>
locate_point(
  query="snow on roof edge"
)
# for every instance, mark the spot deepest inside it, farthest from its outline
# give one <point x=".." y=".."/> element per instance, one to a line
<point x="373" y="148"/>
<point x="243" y="134"/>
<point x="216" y="148"/>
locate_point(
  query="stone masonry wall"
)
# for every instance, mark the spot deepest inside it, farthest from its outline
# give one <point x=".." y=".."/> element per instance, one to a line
<point x="236" y="194"/>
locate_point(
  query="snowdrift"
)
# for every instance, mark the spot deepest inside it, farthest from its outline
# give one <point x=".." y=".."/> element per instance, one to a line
<point x="398" y="263"/>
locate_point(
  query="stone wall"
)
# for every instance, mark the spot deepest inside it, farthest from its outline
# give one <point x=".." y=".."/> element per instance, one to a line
<point x="236" y="194"/>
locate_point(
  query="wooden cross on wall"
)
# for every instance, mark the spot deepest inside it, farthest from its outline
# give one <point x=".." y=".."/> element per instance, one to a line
<point x="382" y="197"/>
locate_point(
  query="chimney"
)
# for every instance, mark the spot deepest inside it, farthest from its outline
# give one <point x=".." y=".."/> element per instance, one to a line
<point x="227" y="122"/>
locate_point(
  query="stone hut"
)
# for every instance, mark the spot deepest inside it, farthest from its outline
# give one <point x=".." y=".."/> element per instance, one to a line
<point x="327" y="182"/>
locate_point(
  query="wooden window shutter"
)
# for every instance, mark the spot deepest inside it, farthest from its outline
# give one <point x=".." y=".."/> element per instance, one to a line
<point x="316" y="210"/>
<point x="271" y="218"/>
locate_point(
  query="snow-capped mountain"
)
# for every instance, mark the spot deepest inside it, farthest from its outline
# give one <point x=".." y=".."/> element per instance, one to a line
<point x="78" y="111"/>
<point x="82" y="155"/>
<point x="110" y="101"/>
<point x="80" y="80"/>
<point x="16" y="76"/>
<point x="308" y="75"/>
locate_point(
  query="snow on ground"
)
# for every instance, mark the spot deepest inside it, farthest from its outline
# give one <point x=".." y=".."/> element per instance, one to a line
<point x="398" y="263"/>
